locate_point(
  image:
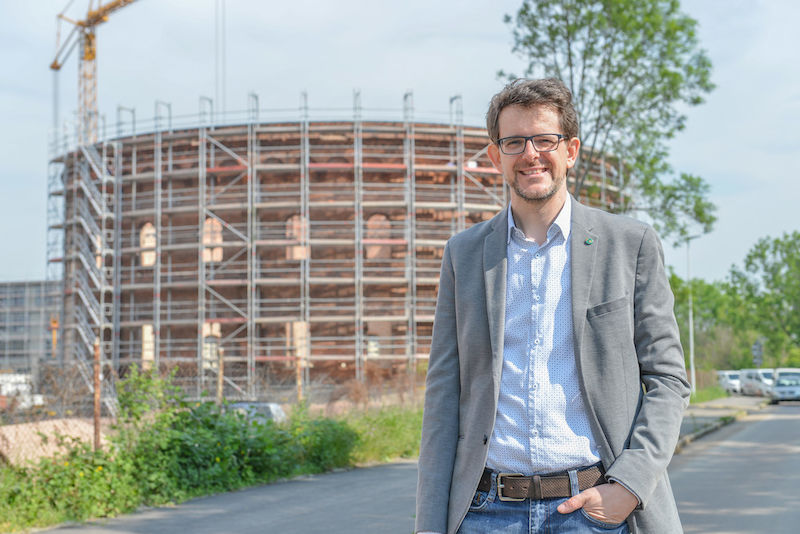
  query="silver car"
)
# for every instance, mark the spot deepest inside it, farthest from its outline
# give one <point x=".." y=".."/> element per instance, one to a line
<point x="785" y="385"/>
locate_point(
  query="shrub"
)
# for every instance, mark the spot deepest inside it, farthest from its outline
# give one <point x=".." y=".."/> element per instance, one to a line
<point x="325" y="443"/>
<point x="164" y="449"/>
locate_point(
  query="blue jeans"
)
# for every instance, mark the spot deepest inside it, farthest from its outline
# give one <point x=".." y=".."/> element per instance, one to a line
<point x="489" y="515"/>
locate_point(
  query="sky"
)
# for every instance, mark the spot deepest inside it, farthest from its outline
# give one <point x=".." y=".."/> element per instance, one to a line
<point x="742" y="141"/>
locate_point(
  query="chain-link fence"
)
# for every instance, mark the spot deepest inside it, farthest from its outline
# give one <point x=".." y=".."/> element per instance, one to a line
<point x="34" y="414"/>
<point x="60" y="402"/>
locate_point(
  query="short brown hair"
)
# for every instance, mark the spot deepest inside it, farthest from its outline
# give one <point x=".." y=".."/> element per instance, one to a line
<point x="528" y="93"/>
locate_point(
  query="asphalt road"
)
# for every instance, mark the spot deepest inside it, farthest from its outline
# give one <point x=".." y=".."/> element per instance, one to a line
<point x="744" y="478"/>
<point x="370" y="500"/>
<point x="740" y="479"/>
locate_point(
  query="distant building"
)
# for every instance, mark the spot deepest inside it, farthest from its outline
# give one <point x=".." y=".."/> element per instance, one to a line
<point x="26" y="312"/>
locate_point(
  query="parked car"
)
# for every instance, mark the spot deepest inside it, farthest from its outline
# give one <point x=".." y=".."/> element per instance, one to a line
<point x="785" y="385"/>
<point x="756" y="382"/>
<point x="730" y="381"/>
<point x="259" y="411"/>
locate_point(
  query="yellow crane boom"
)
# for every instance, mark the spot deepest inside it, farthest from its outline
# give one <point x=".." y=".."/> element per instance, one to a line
<point x="83" y="32"/>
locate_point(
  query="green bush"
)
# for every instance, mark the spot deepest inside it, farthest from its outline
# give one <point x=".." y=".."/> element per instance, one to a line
<point x="324" y="443"/>
<point x="162" y="450"/>
<point x="75" y="484"/>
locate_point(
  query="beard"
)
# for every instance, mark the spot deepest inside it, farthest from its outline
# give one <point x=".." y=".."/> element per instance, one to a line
<point x="535" y="198"/>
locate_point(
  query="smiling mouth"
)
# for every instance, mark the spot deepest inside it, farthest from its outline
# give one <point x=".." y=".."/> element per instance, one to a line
<point x="532" y="172"/>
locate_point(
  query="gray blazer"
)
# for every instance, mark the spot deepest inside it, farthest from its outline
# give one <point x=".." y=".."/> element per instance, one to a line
<point x="629" y="359"/>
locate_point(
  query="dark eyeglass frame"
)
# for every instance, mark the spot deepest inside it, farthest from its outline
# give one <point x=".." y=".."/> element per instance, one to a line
<point x="532" y="139"/>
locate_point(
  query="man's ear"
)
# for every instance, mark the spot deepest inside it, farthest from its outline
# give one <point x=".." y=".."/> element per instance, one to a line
<point x="494" y="154"/>
<point x="573" y="149"/>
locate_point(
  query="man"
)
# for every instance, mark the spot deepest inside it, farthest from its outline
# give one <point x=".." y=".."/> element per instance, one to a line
<point x="556" y="383"/>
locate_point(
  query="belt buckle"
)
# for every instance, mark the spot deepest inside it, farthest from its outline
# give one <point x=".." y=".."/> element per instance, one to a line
<point x="500" y="487"/>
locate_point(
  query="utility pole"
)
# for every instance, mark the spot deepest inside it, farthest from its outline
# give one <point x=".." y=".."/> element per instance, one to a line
<point x="691" y="312"/>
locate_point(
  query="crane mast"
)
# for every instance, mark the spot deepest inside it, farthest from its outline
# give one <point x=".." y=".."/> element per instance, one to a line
<point x="83" y="32"/>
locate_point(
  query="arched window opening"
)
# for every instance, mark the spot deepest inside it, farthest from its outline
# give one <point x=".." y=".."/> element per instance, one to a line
<point x="377" y="236"/>
<point x="295" y="231"/>
<point x="98" y="255"/>
<point x="211" y="341"/>
<point x="148" y="346"/>
<point x="212" y="235"/>
<point x="147" y="242"/>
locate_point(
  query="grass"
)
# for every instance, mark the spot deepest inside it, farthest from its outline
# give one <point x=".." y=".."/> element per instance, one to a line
<point x="708" y="393"/>
<point x="386" y="433"/>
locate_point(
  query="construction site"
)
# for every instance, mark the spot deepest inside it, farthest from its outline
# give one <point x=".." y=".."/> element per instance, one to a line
<point x="263" y="258"/>
<point x="267" y="256"/>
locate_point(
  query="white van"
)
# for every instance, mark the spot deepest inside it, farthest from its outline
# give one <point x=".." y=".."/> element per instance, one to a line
<point x="729" y="380"/>
<point x="756" y="382"/>
<point x="785" y="385"/>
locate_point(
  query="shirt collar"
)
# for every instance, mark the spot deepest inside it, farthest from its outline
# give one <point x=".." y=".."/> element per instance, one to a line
<point x="563" y="222"/>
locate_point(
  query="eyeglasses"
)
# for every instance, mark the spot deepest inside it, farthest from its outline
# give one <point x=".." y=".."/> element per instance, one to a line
<point x="515" y="144"/>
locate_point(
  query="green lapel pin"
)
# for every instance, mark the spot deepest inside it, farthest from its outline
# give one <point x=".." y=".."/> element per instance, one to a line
<point x="589" y="241"/>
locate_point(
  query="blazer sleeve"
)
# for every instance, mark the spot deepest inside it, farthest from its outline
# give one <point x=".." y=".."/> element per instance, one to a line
<point x="440" y="417"/>
<point x="663" y="374"/>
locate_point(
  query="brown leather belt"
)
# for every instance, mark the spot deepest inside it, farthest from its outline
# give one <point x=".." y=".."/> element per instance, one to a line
<point x="516" y="487"/>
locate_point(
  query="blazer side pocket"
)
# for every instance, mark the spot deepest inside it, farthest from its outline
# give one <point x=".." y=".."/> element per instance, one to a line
<point x="607" y="307"/>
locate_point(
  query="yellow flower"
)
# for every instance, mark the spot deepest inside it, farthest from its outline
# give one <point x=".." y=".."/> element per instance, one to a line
<point x="80" y="474"/>
<point x="99" y="467"/>
<point x="66" y="464"/>
<point x="217" y="459"/>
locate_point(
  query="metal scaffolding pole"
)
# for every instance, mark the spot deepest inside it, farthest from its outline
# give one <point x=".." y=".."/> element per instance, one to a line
<point x="358" y="176"/>
<point x="457" y="123"/>
<point x="305" y="218"/>
<point x="252" y="158"/>
<point x="202" y="165"/>
<point x="157" y="189"/>
<point x="411" y="233"/>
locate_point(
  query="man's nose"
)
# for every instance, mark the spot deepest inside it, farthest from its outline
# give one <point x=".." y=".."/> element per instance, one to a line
<point x="529" y="148"/>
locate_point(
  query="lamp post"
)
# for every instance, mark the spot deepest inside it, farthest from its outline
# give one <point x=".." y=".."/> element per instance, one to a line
<point x="691" y="312"/>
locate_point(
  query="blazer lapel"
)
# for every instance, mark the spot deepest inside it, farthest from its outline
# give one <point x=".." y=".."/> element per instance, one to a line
<point x="583" y="251"/>
<point x="494" y="272"/>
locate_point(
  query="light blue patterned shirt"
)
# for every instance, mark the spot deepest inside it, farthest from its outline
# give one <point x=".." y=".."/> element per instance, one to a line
<point x="542" y="425"/>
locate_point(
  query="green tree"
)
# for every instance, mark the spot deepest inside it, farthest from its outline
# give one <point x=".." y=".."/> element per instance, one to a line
<point x="632" y="66"/>
<point x="768" y="293"/>
<point x="720" y="342"/>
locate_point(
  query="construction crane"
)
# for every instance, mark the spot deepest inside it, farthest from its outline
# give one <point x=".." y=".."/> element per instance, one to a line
<point x="83" y="33"/>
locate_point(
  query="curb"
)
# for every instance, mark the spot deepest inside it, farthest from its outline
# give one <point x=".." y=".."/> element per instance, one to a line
<point x="738" y="413"/>
<point x="697" y="434"/>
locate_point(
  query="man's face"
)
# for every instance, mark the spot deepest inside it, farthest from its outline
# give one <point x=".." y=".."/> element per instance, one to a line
<point x="534" y="176"/>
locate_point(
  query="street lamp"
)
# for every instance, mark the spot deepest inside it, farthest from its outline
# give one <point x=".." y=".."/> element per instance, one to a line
<point x="691" y="312"/>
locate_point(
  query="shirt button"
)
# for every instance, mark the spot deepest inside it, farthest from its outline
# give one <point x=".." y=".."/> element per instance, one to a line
<point x="536" y="341"/>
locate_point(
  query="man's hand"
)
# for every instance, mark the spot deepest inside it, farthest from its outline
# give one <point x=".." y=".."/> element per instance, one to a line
<point x="609" y="503"/>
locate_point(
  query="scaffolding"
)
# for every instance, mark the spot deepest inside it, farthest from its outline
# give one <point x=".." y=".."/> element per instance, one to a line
<point x="264" y="259"/>
<point x="26" y="311"/>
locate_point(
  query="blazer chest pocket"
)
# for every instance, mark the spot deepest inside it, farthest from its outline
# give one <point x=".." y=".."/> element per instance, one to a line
<point x="607" y="307"/>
